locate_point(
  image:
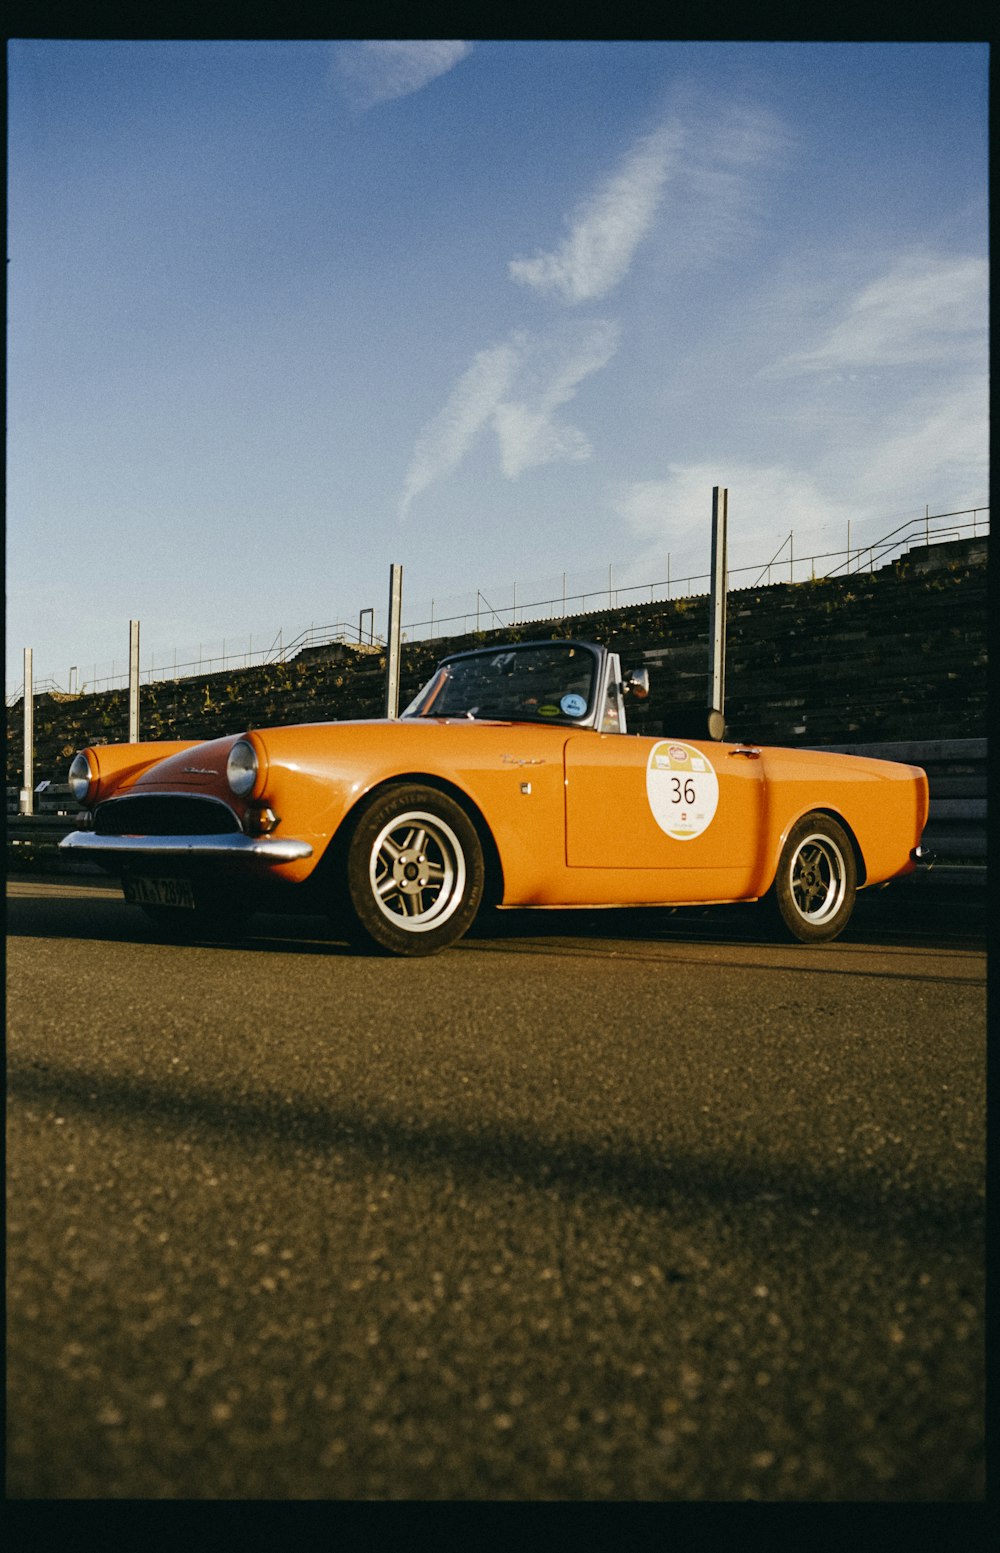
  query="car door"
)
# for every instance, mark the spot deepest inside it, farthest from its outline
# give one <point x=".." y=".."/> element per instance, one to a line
<point x="693" y="811"/>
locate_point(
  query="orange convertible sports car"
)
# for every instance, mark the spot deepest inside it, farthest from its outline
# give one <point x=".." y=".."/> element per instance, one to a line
<point x="511" y="778"/>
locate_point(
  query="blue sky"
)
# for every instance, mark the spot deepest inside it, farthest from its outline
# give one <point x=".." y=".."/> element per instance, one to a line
<point x="282" y="314"/>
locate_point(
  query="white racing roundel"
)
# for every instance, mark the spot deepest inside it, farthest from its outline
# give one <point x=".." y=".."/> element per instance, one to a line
<point x="682" y="788"/>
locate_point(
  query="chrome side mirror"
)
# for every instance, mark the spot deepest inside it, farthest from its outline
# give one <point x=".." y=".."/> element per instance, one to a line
<point x="636" y="684"/>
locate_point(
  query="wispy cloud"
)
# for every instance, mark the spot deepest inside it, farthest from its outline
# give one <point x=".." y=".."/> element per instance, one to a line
<point x="517" y="387"/>
<point x="672" y="516"/>
<point x="940" y="441"/>
<point x="370" y="73"/>
<point x="527" y="428"/>
<point x="933" y="449"/>
<point x="608" y="227"/>
<point x="446" y="439"/>
<point x="925" y="308"/>
<point x="695" y="178"/>
<point x="715" y="202"/>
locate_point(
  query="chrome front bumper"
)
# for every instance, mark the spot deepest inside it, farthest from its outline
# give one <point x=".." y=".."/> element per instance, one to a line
<point x="263" y="848"/>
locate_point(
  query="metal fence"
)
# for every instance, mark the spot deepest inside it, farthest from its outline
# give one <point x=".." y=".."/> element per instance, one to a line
<point x="552" y="601"/>
<point x="783" y="566"/>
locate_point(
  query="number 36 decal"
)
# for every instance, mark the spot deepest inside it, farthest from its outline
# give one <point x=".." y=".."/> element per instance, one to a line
<point x="682" y="789"/>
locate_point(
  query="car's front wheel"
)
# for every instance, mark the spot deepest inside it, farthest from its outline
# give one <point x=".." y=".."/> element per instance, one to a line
<point x="415" y="872"/>
<point x="816" y="883"/>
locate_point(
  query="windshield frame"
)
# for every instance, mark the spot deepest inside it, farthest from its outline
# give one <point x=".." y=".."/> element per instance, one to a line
<point x="423" y="704"/>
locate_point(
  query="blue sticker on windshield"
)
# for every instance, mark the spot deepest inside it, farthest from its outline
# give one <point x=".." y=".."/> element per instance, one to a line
<point x="573" y="705"/>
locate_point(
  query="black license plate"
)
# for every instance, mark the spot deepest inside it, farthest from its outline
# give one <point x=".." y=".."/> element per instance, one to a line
<point x="143" y="891"/>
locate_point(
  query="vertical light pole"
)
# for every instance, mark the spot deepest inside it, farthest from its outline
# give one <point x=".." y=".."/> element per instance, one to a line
<point x="717" y="603"/>
<point x="27" y="803"/>
<point x="392" y="641"/>
<point x="133" y="682"/>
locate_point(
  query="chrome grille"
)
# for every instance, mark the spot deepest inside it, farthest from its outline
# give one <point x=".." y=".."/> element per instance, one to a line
<point x="164" y="814"/>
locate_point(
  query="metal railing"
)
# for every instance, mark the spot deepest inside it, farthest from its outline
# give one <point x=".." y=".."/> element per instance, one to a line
<point x="784" y="566"/>
<point x="482" y="614"/>
<point x="869" y="557"/>
<point x="172" y="667"/>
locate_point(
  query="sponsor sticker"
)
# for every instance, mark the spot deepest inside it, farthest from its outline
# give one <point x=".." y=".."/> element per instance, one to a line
<point x="682" y="789"/>
<point x="573" y="705"/>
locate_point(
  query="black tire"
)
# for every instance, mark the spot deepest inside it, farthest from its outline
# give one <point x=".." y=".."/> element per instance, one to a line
<point x="415" y="872"/>
<point x="815" y="887"/>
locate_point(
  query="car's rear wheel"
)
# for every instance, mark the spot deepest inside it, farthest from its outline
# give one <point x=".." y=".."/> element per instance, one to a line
<point x="815" y="886"/>
<point x="415" y="872"/>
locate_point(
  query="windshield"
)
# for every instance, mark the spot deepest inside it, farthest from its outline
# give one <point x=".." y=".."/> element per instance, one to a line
<point x="549" y="682"/>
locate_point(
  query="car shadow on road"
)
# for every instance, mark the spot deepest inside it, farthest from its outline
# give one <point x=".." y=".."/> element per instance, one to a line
<point x="876" y="920"/>
<point x="683" y="1183"/>
<point x="100" y="917"/>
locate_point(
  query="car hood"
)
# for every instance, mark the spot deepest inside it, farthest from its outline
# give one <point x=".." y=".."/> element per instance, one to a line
<point x="199" y="766"/>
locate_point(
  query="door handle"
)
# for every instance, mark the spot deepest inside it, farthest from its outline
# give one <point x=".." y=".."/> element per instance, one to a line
<point x="749" y="750"/>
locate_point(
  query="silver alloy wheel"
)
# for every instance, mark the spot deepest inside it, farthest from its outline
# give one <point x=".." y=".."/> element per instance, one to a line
<point x="817" y="876"/>
<point x="417" y="871"/>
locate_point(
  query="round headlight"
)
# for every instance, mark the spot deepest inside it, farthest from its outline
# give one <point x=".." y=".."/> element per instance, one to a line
<point x="80" y="777"/>
<point x="241" y="768"/>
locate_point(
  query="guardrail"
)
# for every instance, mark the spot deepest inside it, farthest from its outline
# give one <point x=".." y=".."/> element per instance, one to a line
<point x="33" y="845"/>
<point x="956" y="828"/>
<point x="36" y="828"/>
<point x="49" y="798"/>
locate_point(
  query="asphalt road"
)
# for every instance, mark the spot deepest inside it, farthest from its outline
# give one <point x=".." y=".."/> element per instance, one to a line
<point x="601" y="1207"/>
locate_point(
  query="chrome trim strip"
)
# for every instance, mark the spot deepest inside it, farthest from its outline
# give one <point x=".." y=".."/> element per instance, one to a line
<point x="609" y="670"/>
<point x="276" y="849"/>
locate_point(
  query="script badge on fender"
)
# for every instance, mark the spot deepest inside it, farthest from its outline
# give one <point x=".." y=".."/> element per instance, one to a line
<point x="682" y="789"/>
